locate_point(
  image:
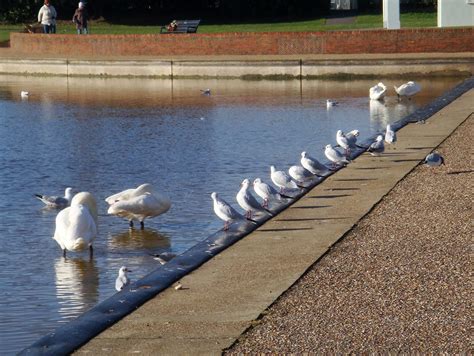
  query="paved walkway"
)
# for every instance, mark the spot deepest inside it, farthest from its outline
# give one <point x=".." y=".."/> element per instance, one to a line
<point x="225" y="296"/>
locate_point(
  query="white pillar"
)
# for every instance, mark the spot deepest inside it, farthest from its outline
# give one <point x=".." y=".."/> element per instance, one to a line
<point x="391" y="14"/>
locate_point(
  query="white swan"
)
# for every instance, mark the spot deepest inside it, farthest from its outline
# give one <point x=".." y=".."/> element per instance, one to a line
<point x="408" y="89"/>
<point x="377" y="92"/>
<point x="76" y="226"/>
<point x="138" y="204"/>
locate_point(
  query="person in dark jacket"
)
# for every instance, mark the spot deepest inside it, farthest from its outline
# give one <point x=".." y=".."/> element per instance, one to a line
<point x="80" y="18"/>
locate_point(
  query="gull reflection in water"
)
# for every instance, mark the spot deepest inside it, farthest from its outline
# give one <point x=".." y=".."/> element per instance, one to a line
<point x="379" y="112"/>
<point x="135" y="240"/>
<point x="77" y="286"/>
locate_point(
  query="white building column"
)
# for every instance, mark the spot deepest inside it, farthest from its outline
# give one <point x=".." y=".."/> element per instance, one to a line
<point x="391" y="14"/>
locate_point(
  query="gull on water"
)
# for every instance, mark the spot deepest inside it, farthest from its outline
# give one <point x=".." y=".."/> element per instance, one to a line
<point x="164" y="257"/>
<point x="313" y="165"/>
<point x="330" y="103"/>
<point x="138" y="204"/>
<point x="248" y="202"/>
<point x="76" y="225"/>
<point x="434" y="159"/>
<point x="343" y="142"/>
<point x="300" y="175"/>
<point x="408" y="89"/>
<point x="390" y="135"/>
<point x="266" y="192"/>
<point x="24" y="94"/>
<point x="377" y="92"/>
<point x="336" y="157"/>
<point x="122" y="279"/>
<point x="282" y="180"/>
<point x="225" y="212"/>
<point x="377" y="147"/>
<point x="206" y="91"/>
<point x="52" y="201"/>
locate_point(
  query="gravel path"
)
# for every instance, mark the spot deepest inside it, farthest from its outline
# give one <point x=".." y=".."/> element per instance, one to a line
<point x="400" y="281"/>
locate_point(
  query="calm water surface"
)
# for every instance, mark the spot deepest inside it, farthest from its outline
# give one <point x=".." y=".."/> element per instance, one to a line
<point x="105" y="135"/>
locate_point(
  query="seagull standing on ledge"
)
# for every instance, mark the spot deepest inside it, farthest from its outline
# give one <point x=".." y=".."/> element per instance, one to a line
<point x="282" y="180"/>
<point x="336" y="157"/>
<point x="266" y="192"/>
<point x="224" y="211"/>
<point x="313" y="165"/>
<point x="248" y="202"/>
<point x="377" y="147"/>
<point x="122" y="279"/>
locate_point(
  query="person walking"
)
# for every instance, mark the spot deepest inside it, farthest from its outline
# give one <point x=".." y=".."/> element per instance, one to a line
<point x="47" y="17"/>
<point x="80" y="18"/>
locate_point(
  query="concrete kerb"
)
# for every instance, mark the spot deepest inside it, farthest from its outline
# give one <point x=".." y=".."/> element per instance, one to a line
<point x="76" y="333"/>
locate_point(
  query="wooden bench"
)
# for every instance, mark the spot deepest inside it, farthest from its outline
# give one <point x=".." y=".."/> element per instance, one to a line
<point x="182" y="26"/>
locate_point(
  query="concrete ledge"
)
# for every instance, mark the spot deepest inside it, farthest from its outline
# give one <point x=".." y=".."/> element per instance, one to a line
<point x="292" y="68"/>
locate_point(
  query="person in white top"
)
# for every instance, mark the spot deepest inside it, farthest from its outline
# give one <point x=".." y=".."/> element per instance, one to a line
<point x="47" y="17"/>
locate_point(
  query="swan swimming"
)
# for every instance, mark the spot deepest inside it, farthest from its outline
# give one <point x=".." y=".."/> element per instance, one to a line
<point x="52" y="201"/>
<point x="408" y="89"/>
<point x="138" y="204"/>
<point x="76" y="225"/>
<point x="377" y="92"/>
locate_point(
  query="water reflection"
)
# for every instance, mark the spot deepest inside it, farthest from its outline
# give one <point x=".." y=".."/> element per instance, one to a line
<point x="136" y="240"/>
<point x="77" y="285"/>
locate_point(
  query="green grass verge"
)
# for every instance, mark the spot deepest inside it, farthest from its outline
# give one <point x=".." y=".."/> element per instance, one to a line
<point x="366" y="21"/>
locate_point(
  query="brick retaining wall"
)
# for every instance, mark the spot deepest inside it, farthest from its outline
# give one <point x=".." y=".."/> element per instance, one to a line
<point x="251" y="43"/>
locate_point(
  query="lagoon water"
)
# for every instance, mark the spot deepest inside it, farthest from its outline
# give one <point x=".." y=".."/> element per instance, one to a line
<point x="105" y="135"/>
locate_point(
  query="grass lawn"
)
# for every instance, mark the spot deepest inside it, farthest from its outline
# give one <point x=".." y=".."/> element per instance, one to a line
<point x="367" y="21"/>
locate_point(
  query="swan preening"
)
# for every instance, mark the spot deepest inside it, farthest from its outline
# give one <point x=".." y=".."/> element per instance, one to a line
<point x="408" y="89"/>
<point x="138" y="204"/>
<point x="52" y="201"/>
<point x="76" y="225"/>
<point x="377" y="92"/>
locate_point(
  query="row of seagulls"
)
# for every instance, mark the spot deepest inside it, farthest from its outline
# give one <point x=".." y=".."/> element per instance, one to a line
<point x="225" y="211"/>
<point x="266" y="192"/>
<point x="282" y="180"/>
<point x="138" y="204"/>
<point x="56" y="202"/>
<point x="313" y="165"/>
<point x="336" y="157"/>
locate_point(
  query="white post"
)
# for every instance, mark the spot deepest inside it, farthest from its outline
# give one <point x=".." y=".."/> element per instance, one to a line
<point x="391" y="14"/>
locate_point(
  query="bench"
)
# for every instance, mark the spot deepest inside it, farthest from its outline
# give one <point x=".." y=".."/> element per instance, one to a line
<point x="182" y="26"/>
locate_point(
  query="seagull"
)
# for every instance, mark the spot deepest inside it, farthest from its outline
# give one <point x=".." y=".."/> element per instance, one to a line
<point x="390" y="135"/>
<point x="408" y="89"/>
<point x="76" y="225"/>
<point x="24" y="94"/>
<point x="343" y="142"/>
<point x="330" y="103"/>
<point x="351" y="137"/>
<point x="336" y="157"/>
<point x="282" y="180"/>
<point x="225" y="212"/>
<point x="377" y="147"/>
<point x="138" y="204"/>
<point x="206" y="91"/>
<point x="248" y="202"/>
<point x="164" y="257"/>
<point x="313" y="165"/>
<point x="377" y="92"/>
<point x="300" y="175"/>
<point x="122" y="280"/>
<point x="56" y="202"/>
<point x="434" y="159"/>
<point x="266" y="192"/>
